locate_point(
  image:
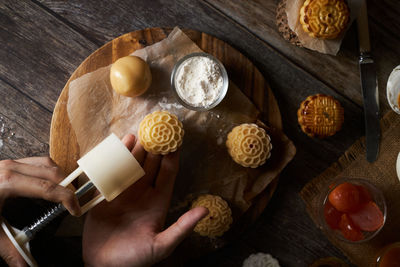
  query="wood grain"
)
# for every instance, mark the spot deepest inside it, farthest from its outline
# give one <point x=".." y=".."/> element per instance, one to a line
<point x="339" y="72"/>
<point x="386" y="14"/>
<point x="39" y="69"/>
<point x="21" y="125"/>
<point x="44" y="41"/>
<point x="64" y="149"/>
<point x="290" y="82"/>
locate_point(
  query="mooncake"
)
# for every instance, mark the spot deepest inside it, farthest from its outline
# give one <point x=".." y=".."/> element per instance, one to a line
<point x="161" y="132"/>
<point x="219" y="218"/>
<point x="260" y="260"/>
<point x="325" y="19"/>
<point x="320" y="116"/>
<point x="249" y="145"/>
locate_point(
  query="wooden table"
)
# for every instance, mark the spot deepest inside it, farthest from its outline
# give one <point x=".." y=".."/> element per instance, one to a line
<point x="44" y="41"/>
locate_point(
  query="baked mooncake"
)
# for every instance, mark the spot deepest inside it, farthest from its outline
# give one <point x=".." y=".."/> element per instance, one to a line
<point x="325" y="19"/>
<point x="219" y="218"/>
<point x="161" y="132"/>
<point x="320" y="116"/>
<point x="249" y="145"/>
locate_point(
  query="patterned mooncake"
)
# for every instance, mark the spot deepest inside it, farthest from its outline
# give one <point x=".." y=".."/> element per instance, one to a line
<point x="161" y="133"/>
<point x="249" y="145"/>
<point x="320" y="116"/>
<point x="219" y="218"/>
<point x="325" y="19"/>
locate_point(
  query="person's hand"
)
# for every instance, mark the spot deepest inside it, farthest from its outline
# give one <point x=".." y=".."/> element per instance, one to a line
<point x="36" y="177"/>
<point x="128" y="230"/>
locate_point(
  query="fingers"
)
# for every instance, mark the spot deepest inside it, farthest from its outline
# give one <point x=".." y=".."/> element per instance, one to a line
<point x="38" y="161"/>
<point x="8" y="252"/>
<point x="43" y="168"/>
<point x="151" y="166"/>
<point x="166" y="241"/>
<point x="139" y="153"/>
<point x="167" y="174"/>
<point x="129" y="141"/>
<point x="17" y="184"/>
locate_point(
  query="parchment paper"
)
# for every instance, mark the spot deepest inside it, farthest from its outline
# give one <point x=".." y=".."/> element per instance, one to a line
<point x="330" y="47"/>
<point x="95" y="111"/>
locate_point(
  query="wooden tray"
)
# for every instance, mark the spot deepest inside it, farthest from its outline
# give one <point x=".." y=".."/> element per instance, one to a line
<point x="64" y="149"/>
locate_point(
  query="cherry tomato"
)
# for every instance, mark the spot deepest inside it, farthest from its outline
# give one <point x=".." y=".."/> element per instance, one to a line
<point x="365" y="195"/>
<point x="349" y="230"/>
<point x="345" y="198"/>
<point x="332" y="215"/>
<point x="368" y="218"/>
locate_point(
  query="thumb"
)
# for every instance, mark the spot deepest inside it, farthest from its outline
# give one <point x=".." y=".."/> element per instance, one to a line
<point x="169" y="239"/>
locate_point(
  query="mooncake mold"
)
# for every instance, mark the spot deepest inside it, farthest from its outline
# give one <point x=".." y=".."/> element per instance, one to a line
<point x="325" y="19"/>
<point x="320" y="116"/>
<point x="249" y="145"/>
<point x="219" y="218"/>
<point x="161" y="132"/>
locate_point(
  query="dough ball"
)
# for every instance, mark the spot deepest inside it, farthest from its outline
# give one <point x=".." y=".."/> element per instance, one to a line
<point x="130" y="76"/>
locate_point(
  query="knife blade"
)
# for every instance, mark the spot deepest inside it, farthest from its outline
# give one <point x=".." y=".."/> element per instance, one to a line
<point x="369" y="87"/>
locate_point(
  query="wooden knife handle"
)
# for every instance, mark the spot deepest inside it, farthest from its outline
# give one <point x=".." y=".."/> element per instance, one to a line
<point x="363" y="33"/>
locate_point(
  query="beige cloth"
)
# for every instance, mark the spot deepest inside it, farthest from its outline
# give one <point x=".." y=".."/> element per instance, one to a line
<point x="382" y="173"/>
<point x="95" y="110"/>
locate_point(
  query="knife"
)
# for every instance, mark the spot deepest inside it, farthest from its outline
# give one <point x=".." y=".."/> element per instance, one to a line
<point x="369" y="86"/>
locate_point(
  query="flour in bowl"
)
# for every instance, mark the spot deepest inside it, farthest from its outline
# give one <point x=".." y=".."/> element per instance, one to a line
<point x="199" y="81"/>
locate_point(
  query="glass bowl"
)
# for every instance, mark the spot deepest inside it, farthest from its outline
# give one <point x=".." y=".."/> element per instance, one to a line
<point x="222" y="93"/>
<point x="393" y="89"/>
<point x="376" y="196"/>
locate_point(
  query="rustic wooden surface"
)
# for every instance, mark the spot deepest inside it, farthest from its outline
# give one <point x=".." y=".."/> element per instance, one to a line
<point x="44" y="41"/>
<point x="64" y="149"/>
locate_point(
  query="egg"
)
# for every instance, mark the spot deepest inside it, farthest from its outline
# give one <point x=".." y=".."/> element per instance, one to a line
<point x="393" y="89"/>
<point x="398" y="166"/>
<point x="130" y="76"/>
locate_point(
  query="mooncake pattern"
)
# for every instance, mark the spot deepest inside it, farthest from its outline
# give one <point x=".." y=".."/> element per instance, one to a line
<point x="320" y="116"/>
<point x="260" y="260"/>
<point x="249" y="145"/>
<point x="325" y="19"/>
<point x="161" y="133"/>
<point x="219" y="218"/>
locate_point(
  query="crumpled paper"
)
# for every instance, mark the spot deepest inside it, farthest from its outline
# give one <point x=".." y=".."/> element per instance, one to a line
<point x="324" y="46"/>
<point x="95" y="110"/>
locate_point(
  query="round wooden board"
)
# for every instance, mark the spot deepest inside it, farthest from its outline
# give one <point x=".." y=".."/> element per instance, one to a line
<point x="64" y="149"/>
